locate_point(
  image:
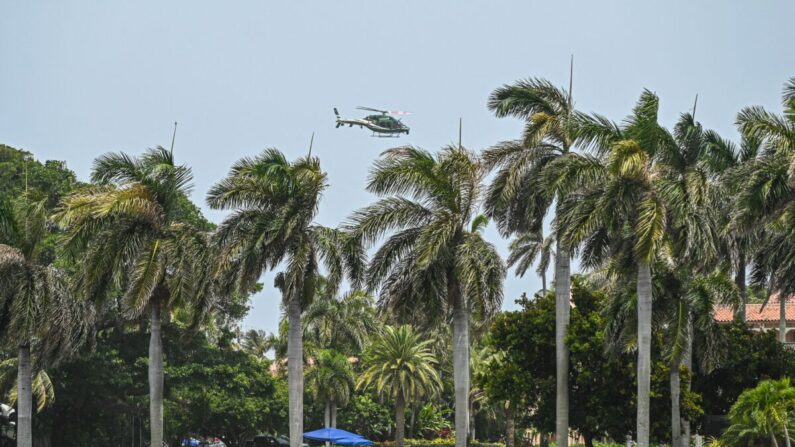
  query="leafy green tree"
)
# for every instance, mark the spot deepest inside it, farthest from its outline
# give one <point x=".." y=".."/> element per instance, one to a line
<point x="20" y="172"/>
<point x="222" y="392"/>
<point x="435" y="258"/>
<point x="400" y="366"/>
<point x="275" y="202"/>
<point x="366" y="416"/>
<point x="766" y="412"/>
<point x="751" y="357"/>
<point x="523" y="192"/>
<point x="331" y="379"/>
<point x="212" y="390"/>
<point x="136" y="231"/>
<point x="521" y="378"/>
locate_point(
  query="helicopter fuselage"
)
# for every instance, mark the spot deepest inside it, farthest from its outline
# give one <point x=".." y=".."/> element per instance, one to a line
<point x="372" y="126"/>
<point x="381" y="125"/>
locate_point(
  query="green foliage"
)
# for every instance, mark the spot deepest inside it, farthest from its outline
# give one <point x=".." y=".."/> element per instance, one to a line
<point x="441" y="442"/>
<point x="602" y="384"/>
<point x="368" y="417"/>
<point x="331" y="378"/>
<point x="399" y="365"/>
<point x="761" y="414"/>
<point x="752" y="357"/>
<point x="210" y="391"/>
<point x="431" y="420"/>
<point x="50" y="181"/>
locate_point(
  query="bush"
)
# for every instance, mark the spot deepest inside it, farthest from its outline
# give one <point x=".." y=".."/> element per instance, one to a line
<point x="438" y="442"/>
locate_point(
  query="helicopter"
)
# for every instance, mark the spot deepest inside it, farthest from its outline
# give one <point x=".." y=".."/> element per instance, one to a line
<point x="382" y="125"/>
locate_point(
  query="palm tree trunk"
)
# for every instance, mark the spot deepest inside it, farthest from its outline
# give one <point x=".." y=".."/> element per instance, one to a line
<point x="510" y="428"/>
<point x="155" y="376"/>
<point x="739" y="280"/>
<point x="327" y="418"/>
<point x="24" y="397"/>
<point x="544" y="283"/>
<point x="295" y="371"/>
<point x="687" y="360"/>
<point x="562" y="297"/>
<point x="644" y="352"/>
<point x="773" y="440"/>
<point x="676" y="418"/>
<point x="471" y="422"/>
<point x="333" y="414"/>
<point x="400" y="420"/>
<point x="782" y="317"/>
<point x="412" y="421"/>
<point x="460" y="363"/>
<point x="786" y="435"/>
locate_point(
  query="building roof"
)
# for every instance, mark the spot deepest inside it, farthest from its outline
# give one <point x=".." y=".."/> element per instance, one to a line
<point x="756" y="313"/>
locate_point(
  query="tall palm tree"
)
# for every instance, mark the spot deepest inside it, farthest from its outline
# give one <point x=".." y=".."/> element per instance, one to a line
<point x="686" y="163"/>
<point x="731" y="165"/>
<point x="522" y="194"/>
<point x="42" y="321"/>
<point x="400" y="366"/>
<point x="767" y="194"/>
<point x="136" y="231"/>
<point x="332" y="380"/>
<point x="618" y="216"/>
<point x="435" y="258"/>
<point x="275" y="202"/>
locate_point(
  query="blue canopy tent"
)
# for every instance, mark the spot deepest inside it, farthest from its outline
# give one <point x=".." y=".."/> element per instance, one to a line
<point x="338" y="437"/>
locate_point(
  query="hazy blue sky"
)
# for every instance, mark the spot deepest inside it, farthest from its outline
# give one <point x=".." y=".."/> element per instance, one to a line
<point x="80" y="78"/>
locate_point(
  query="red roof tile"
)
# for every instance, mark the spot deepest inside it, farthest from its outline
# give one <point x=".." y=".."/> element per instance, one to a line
<point x="755" y="313"/>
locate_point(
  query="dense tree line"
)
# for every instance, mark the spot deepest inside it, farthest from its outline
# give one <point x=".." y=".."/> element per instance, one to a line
<point x="665" y="223"/>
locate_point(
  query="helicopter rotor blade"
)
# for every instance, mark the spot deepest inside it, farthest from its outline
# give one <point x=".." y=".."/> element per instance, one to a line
<point x="372" y="109"/>
<point x="398" y="112"/>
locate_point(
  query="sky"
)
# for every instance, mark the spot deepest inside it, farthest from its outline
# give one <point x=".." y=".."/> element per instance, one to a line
<point x="81" y="78"/>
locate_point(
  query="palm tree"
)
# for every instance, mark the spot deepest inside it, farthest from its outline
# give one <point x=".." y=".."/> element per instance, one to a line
<point x="482" y="360"/>
<point x="522" y="194"/>
<point x="761" y="413"/>
<point x="731" y="166"/>
<point x="41" y="385"/>
<point x="686" y="164"/>
<point x="137" y="231"/>
<point x="435" y="259"/>
<point x="767" y="194"/>
<point x="43" y="322"/>
<point x="343" y="324"/>
<point x="332" y="382"/>
<point x="618" y="216"/>
<point x="275" y="202"/>
<point x="257" y="342"/>
<point x="401" y="367"/>
<point x="525" y="248"/>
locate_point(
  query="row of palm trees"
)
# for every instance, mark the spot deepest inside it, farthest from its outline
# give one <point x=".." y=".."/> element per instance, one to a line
<point x="635" y="198"/>
<point x="630" y="198"/>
